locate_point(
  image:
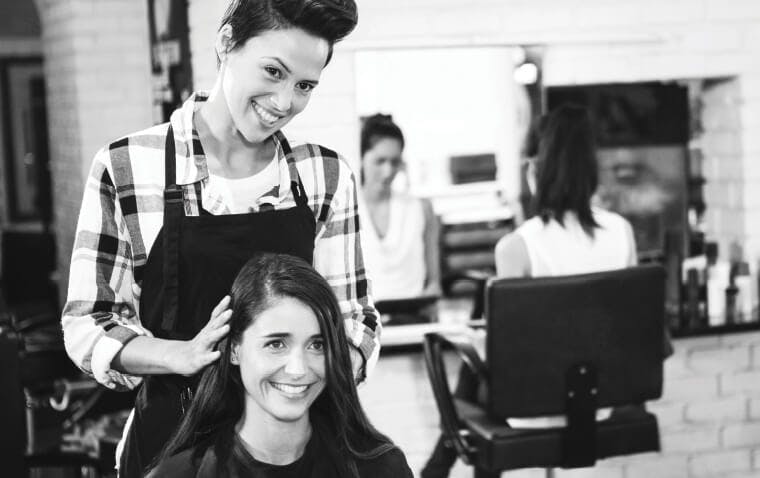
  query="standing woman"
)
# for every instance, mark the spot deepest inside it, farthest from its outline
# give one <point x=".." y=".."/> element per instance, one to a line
<point x="400" y="234"/>
<point x="170" y="214"/>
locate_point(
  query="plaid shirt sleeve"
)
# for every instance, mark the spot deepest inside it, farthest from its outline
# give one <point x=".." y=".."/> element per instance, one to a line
<point x="338" y="257"/>
<point x="100" y="313"/>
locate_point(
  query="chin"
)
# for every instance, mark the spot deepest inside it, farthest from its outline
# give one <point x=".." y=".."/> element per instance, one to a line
<point x="290" y="414"/>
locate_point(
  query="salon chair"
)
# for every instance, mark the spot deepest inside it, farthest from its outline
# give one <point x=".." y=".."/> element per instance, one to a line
<point x="16" y="459"/>
<point x="558" y="346"/>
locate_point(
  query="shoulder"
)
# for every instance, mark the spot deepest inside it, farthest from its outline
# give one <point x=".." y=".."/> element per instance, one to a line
<point x="135" y="150"/>
<point x="181" y="465"/>
<point x="312" y="154"/>
<point x="391" y="463"/>
<point x="511" y="256"/>
<point x="609" y="219"/>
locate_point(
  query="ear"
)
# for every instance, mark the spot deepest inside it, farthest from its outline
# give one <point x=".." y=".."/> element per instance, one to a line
<point x="223" y="43"/>
<point x="234" y="357"/>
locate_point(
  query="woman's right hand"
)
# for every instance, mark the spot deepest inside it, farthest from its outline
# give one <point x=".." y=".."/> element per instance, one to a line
<point x="188" y="357"/>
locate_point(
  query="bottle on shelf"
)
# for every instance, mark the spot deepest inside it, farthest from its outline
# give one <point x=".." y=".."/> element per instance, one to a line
<point x="718" y="278"/>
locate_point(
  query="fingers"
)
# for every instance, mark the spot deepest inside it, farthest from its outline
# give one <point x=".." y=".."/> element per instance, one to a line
<point x="220" y="307"/>
<point x="211" y="357"/>
<point x="219" y="320"/>
<point x="216" y="335"/>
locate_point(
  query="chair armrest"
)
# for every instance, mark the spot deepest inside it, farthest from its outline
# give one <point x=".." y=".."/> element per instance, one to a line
<point x="450" y="421"/>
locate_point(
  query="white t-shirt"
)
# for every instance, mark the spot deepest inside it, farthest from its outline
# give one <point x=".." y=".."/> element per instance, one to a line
<point x="556" y="250"/>
<point x="395" y="262"/>
<point x="241" y="193"/>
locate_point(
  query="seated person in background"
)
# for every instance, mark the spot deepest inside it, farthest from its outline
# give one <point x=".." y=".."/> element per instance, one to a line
<point x="400" y="239"/>
<point x="567" y="236"/>
<point x="281" y="400"/>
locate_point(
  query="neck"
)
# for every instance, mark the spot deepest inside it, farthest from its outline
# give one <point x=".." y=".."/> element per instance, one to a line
<point x="219" y="136"/>
<point x="273" y="441"/>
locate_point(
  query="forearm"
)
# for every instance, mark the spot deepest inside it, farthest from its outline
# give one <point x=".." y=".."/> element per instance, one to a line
<point x="146" y="356"/>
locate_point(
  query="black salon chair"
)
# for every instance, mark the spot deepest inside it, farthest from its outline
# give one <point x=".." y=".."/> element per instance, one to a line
<point x="559" y="346"/>
<point x="16" y="460"/>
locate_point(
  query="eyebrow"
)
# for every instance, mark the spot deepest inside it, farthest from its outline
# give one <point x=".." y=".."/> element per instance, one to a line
<point x="282" y="335"/>
<point x="285" y="67"/>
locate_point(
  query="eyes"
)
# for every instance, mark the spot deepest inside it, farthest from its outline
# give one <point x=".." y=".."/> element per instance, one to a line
<point x="279" y="345"/>
<point x="394" y="162"/>
<point x="277" y="74"/>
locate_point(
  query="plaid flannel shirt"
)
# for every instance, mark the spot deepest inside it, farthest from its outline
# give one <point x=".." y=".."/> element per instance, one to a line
<point x="122" y="213"/>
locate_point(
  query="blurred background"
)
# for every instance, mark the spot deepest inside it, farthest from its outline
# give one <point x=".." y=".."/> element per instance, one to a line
<point x="674" y="90"/>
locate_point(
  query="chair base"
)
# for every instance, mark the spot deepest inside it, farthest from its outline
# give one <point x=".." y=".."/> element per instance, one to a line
<point x="501" y="448"/>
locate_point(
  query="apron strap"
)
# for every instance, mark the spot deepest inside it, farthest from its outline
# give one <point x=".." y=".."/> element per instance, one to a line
<point x="173" y="212"/>
<point x="299" y="193"/>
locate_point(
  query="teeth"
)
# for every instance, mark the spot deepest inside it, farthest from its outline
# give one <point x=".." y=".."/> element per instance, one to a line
<point x="290" y="388"/>
<point x="263" y="113"/>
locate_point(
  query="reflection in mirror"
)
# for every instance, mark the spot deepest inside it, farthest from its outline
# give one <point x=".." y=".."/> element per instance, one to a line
<point x="450" y="103"/>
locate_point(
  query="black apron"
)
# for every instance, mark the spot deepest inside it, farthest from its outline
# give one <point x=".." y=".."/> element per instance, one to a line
<point x="191" y="266"/>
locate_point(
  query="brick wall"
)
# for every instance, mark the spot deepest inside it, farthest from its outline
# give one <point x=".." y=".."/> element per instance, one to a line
<point x="98" y="88"/>
<point x="587" y="42"/>
<point x="709" y="414"/>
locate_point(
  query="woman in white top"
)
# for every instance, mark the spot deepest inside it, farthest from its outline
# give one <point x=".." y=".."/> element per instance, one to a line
<point x="567" y="236"/>
<point x="400" y="239"/>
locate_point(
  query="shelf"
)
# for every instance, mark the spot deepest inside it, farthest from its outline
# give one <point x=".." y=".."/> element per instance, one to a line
<point x="718" y="330"/>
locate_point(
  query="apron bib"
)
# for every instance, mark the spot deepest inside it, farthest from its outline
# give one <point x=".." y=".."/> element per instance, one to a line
<point x="191" y="266"/>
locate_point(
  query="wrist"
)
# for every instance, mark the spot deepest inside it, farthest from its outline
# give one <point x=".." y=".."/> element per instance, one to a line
<point x="173" y="355"/>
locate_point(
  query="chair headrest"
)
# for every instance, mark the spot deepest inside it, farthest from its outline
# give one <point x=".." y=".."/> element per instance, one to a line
<point x="540" y="327"/>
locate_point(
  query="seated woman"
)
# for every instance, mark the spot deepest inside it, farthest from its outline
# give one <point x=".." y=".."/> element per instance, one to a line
<point x="567" y="236"/>
<point x="400" y="239"/>
<point x="281" y="401"/>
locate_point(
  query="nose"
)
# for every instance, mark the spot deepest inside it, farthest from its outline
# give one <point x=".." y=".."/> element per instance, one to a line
<point x="388" y="170"/>
<point x="282" y="99"/>
<point x="296" y="363"/>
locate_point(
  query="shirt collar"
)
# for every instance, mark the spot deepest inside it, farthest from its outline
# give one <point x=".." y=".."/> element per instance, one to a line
<point x="191" y="161"/>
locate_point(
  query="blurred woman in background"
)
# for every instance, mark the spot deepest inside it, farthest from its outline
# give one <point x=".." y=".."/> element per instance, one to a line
<point x="400" y="232"/>
<point x="566" y="236"/>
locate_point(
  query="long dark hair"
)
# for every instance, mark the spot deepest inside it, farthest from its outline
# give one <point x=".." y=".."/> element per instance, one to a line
<point x="331" y="20"/>
<point x="375" y="128"/>
<point x="566" y="169"/>
<point x="337" y="416"/>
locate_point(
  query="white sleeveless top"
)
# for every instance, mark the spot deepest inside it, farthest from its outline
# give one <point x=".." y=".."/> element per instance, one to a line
<point x="395" y="262"/>
<point x="555" y="250"/>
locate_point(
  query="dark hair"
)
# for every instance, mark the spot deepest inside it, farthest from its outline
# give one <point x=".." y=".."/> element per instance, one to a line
<point x="331" y="20"/>
<point x="377" y="127"/>
<point x="566" y="168"/>
<point x="374" y="128"/>
<point x="337" y="416"/>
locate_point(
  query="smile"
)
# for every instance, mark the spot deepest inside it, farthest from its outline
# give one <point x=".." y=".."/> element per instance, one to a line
<point x="290" y="389"/>
<point x="265" y="116"/>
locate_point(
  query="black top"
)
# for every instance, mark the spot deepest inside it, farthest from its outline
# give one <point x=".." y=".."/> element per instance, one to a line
<point x="314" y="463"/>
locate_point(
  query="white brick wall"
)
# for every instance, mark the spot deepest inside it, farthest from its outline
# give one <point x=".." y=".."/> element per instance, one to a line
<point x="96" y="56"/>
<point x="587" y="42"/>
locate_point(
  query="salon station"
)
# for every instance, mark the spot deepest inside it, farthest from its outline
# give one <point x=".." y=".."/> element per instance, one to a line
<point x="444" y="105"/>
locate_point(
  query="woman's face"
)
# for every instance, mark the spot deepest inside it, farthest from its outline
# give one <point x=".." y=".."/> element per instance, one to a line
<point x="382" y="162"/>
<point x="282" y="361"/>
<point x="269" y="79"/>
